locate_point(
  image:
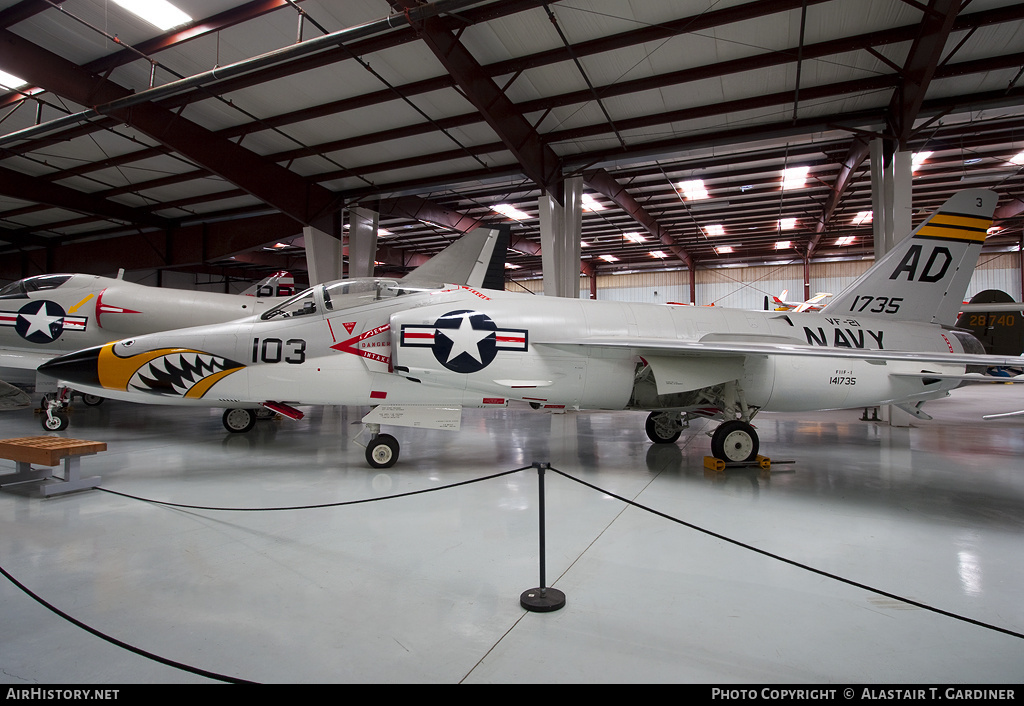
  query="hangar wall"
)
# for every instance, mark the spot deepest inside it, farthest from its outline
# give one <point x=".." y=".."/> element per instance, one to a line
<point x="746" y="287"/>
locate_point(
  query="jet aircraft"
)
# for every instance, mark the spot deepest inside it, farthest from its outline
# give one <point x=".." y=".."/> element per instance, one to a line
<point x="779" y="303"/>
<point x="46" y="315"/>
<point x="421" y="348"/>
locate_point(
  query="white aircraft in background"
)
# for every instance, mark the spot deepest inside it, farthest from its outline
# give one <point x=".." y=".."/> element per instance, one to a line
<point x="779" y="303"/>
<point x="421" y="348"/>
<point x="47" y="315"/>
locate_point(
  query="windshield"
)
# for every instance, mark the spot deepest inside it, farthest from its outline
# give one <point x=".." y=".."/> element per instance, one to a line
<point x="34" y="284"/>
<point x="339" y="295"/>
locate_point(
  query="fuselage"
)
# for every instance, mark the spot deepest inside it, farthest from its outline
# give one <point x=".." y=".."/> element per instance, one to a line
<point x="373" y="342"/>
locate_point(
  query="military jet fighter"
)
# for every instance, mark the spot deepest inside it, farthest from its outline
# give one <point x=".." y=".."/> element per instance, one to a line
<point x="420" y="348"/>
<point x="46" y="315"/>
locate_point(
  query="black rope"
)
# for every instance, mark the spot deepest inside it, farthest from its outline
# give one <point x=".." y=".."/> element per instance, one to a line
<point x="120" y="643"/>
<point x="321" y="505"/>
<point x="632" y="503"/>
<point x="185" y="667"/>
<point x="791" y="562"/>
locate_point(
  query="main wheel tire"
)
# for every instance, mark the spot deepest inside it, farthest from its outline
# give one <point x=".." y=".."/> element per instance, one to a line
<point x="382" y="451"/>
<point x="92" y="400"/>
<point x="663" y="427"/>
<point x="239" y="421"/>
<point x="734" y="442"/>
<point x="57" y="422"/>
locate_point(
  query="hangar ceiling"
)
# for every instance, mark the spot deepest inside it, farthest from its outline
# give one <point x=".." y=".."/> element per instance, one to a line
<point x="208" y="146"/>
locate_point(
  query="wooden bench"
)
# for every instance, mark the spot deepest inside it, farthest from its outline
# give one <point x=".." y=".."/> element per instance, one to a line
<point x="49" y="451"/>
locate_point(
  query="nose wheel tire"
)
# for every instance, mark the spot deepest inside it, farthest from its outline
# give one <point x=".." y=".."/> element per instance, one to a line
<point x="239" y="421"/>
<point x="382" y="451"/>
<point x="56" y="421"/>
<point x="734" y="441"/>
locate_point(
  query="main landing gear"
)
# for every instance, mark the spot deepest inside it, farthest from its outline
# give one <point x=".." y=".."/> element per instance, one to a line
<point x="734" y="441"/>
<point x="239" y="421"/>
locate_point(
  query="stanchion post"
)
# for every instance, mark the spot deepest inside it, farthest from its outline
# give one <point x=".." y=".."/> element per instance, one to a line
<point x="542" y="599"/>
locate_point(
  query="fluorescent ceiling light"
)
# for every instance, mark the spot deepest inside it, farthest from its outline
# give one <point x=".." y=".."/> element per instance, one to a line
<point x="846" y="240"/>
<point x="659" y="254"/>
<point x="795" y="177"/>
<point x="723" y="249"/>
<point x="510" y="211"/>
<point x="714" y="230"/>
<point x="10" y="81"/>
<point x="918" y="159"/>
<point x="783" y="244"/>
<point x="591" y="204"/>
<point x="609" y="258"/>
<point x="157" y="12"/>
<point x="863" y="217"/>
<point x="510" y="266"/>
<point x="694" y="189"/>
<point x="1017" y="159"/>
<point x="787" y="223"/>
<point x="635" y="237"/>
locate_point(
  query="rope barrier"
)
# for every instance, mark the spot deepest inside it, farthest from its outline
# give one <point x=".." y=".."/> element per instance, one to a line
<point x="690" y="525"/>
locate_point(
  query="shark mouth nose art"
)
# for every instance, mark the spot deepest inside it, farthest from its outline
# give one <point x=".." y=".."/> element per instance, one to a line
<point x="180" y="372"/>
<point x="168" y="372"/>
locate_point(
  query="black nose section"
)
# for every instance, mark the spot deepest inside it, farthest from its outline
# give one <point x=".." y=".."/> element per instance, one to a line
<point x="79" y="367"/>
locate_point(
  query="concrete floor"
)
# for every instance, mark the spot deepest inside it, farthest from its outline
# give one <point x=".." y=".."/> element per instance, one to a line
<point x="426" y="588"/>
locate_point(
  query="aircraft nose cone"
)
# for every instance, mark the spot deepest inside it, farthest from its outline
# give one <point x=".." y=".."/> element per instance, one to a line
<point x="79" y="367"/>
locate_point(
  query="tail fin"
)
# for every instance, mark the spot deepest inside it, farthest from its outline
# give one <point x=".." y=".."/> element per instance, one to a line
<point x="466" y="261"/>
<point x="279" y="284"/>
<point x="925" y="277"/>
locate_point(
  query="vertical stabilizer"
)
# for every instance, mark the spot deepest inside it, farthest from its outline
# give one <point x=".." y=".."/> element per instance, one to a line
<point x="925" y="277"/>
<point x="465" y="261"/>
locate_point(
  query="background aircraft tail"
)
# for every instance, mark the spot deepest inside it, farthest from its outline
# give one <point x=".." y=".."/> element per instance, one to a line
<point x="995" y="320"/>
<point x="279" y="284"/>
<point x="926" y="275"/>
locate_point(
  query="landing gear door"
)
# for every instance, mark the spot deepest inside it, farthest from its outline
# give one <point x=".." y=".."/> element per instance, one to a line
<point x="675" y="374"/>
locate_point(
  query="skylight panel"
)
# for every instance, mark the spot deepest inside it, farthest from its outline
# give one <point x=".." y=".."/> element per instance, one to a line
<point x="795" y="177"/>
<point x="693" y="189"/>
<point x="160" y="13"/>
<point x="10" y="81"/>
<point x="510" y="211"/>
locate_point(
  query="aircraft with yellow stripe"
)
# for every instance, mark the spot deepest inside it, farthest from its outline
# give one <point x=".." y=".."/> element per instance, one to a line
<point x="420" y="349"/>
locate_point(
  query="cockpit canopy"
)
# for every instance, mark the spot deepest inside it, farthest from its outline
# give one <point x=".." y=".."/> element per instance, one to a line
<point x="340" y="295"/>
<point x="38" y="283"/>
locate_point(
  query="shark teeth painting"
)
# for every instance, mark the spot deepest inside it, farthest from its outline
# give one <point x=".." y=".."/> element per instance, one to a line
<point x="182" y="373"/>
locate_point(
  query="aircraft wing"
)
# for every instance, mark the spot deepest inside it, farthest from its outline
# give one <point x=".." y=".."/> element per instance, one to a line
<point x="765" y="346"/>
<point x="24" y="360"/>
